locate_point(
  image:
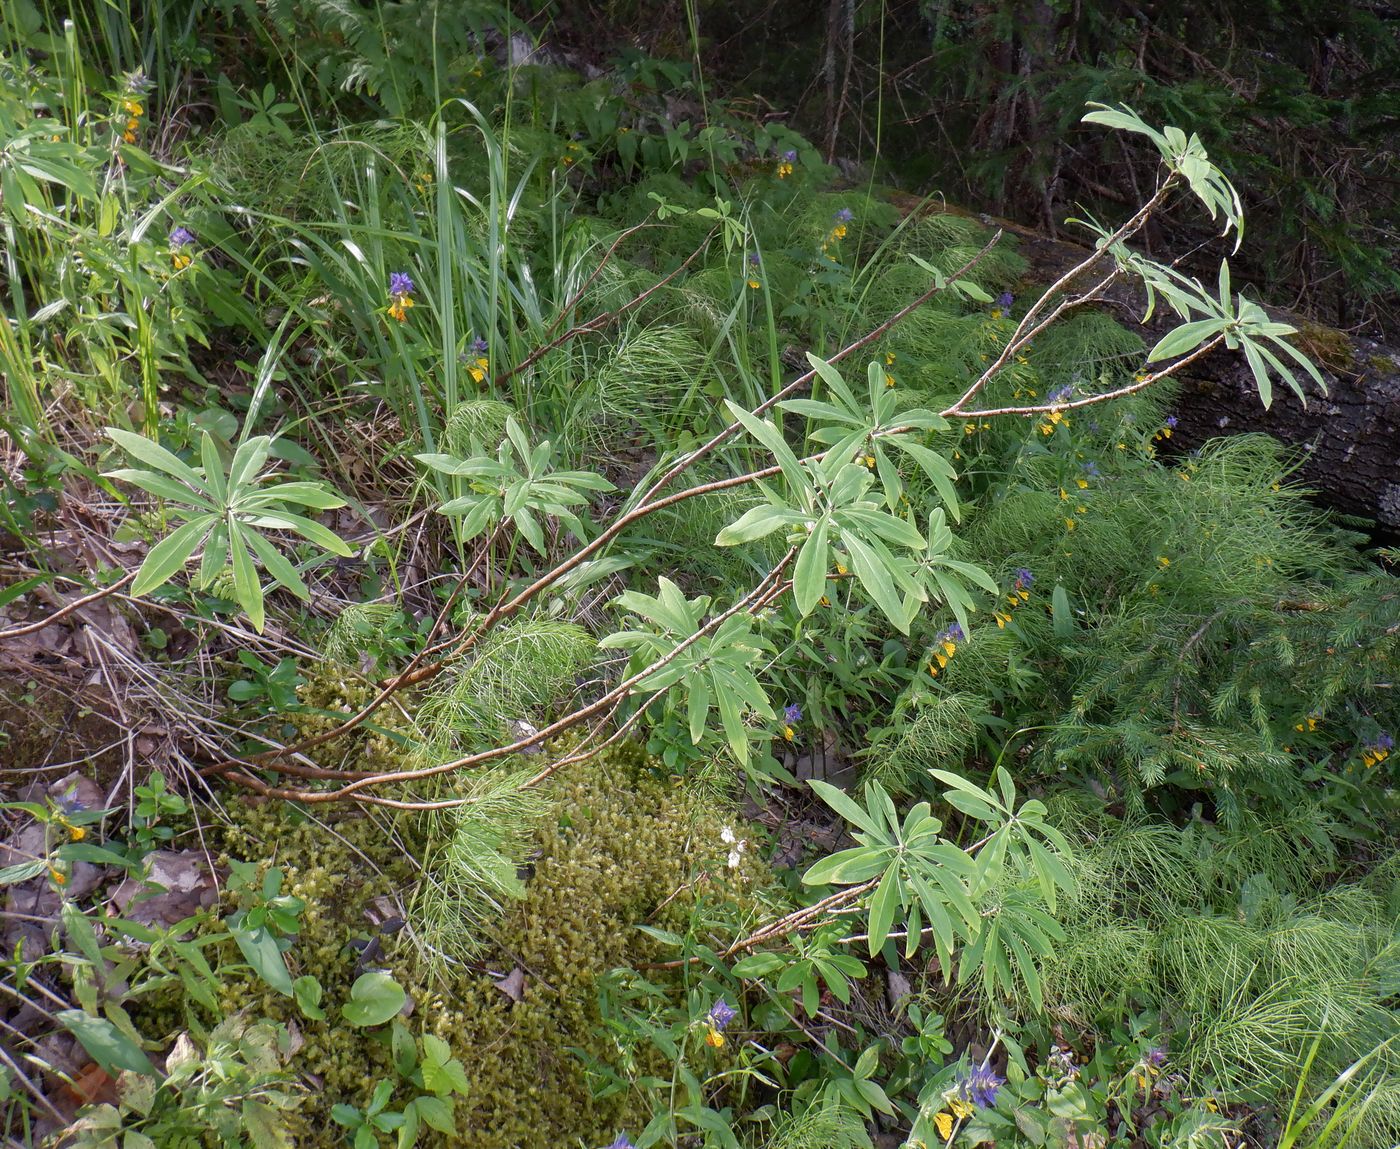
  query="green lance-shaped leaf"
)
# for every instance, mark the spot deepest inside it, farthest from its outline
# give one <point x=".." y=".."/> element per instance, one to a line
<point x="261" y="952"/>
<point x="154" y="455"/>
<point x="809" y="573"/>
<point x="171" y="554"/>
<point x="884" y="904"/>
<point x="111" y="1048"/>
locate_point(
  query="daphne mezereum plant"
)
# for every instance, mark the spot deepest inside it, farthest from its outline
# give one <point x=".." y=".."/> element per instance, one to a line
<point x="842" y="509"/>
<point x="226" y="509"/>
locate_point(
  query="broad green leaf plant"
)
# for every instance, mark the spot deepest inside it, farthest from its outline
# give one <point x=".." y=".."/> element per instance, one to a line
<point x="518" y="486"/>
<point x="993" y="901"/>
<point x="226" y="510"/>
<point x="837" y="520"/>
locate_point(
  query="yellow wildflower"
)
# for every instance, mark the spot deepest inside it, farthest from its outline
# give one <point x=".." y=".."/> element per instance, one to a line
<point x="944" y="1123"/>
<point x="961" y="1108"/>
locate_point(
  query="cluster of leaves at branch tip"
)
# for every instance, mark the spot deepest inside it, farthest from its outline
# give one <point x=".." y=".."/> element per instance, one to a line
<point x="1241" y="324"/>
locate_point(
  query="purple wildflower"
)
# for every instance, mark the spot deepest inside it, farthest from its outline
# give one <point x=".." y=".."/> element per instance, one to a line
<point x="1004" y="300"/>
<point x="845" y="215"/>
<point x="1024" y="578"/>
<point x="792" y="713"/>
<point x="1061" y="394"/>
<point x="981" y="1085"/>
<point x="480" y="346"/>
<point x="954" y="633"/>
<point x="1384" y="741"/>
<point x="753" y="259"/>
<point x="400" y="283"/>
<point x="1156" y="1056"/>
<point x="1171" y="422"/>
<point x="69" y="802"/>
<point x="1090" y="468"/>
<point x="790" y="156"/>
<point x="721" y="1014"/>
<point x="181" y="237"/>
<point x="622" y="1142"/>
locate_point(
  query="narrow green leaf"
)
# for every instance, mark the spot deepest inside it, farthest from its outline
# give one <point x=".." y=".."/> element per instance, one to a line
<point x="171" y="554"/>
<point x="154" y="455"/>
<point x="755" y="523"/>
<point x="698" y="707"/>
<point x="809" y="574"/>
<point x="276" y="564"/>
<point x="1185" y="338"/>
<point x="844" y="805"/>
<point x="883" y="905"/>
<point x="213" y="468"/>
<point x="313" y="531"/>
<point x="247" y="461"/>
<point x="769" y="435"/>
<point x="1061" y="617"/>
<point x="846" y="867"/>
<point x="876" y="580"/>
<point x="163" y="487"/>
<point x="260" y="951"/>
<point x="247" y="588"/>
